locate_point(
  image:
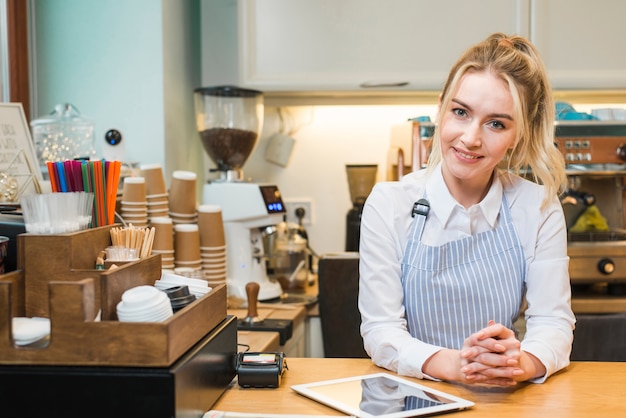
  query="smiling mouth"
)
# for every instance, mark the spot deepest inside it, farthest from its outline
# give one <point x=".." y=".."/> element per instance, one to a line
<point x="468" y="156"/>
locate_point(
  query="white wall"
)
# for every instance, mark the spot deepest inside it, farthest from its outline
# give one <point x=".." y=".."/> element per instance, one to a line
<point x="128" y="65"/>
<point x="328" y="138"/>
<point x="93" y="55"/>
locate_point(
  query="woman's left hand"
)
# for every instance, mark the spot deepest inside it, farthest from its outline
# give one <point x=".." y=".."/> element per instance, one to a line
<point x="492" y="356"/>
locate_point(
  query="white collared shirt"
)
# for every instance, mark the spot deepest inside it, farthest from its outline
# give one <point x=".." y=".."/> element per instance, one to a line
<point x="385" y="224"/>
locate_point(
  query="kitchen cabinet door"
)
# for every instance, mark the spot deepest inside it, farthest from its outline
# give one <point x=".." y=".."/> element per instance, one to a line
<point x="581" y="42"/>
<point x="350" y="45"/>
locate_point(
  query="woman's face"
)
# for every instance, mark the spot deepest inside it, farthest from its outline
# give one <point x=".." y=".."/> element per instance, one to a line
<point x="477" y="130"/>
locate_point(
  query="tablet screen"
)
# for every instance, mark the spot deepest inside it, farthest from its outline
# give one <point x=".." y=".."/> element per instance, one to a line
<point x="381" y="395"/>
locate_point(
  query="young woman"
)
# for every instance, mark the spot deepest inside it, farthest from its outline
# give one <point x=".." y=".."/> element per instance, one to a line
<point x="449" y="254"/>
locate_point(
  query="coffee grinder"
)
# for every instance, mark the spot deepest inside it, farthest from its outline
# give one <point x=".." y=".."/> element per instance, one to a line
<point x="229" y="120"/>
<point x="361" y="179"/>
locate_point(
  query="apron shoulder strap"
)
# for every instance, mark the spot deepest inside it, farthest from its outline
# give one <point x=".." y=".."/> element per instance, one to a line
<point x="421" y="207"/>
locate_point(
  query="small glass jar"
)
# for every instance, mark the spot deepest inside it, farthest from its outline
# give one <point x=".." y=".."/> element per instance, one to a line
<point x="63" y="135"/>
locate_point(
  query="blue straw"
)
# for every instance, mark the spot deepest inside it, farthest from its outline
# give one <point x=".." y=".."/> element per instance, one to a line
<point x="62" y="182"/>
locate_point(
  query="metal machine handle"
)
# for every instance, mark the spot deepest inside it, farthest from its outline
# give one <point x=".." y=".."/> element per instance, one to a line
<point x="606" y="266"/>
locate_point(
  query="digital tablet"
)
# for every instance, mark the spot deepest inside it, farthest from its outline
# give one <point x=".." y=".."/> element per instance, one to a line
<point x="381" y="395"/>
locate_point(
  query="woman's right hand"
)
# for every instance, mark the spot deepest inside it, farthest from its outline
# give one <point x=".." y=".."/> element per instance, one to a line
<point x="491" y="356"/>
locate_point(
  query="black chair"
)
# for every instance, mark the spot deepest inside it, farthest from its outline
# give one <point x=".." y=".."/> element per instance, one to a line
<point x="600" y="337"/>
<point x="338" y="280"/>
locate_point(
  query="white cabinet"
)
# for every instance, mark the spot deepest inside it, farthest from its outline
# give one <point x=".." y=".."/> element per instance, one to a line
<point x="352" y="44"/>
<point x="401" y="45"/>
<point x="581" y="42"/>
<point x="300" y="45"/>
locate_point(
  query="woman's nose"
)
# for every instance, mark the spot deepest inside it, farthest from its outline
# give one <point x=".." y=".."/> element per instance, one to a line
<point x="472" y="136"/>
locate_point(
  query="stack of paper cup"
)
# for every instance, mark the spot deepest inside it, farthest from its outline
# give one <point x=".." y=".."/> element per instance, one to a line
<point x="212" y="243"/>
<point x="187" y="246"/>
<point x="133" y="207"/>
<point x="163" y="241"/>
<point x="144" y="304"/>
<point x="156" y="191"/>
<point x="182" y="198"/>
<point x="191" y="272"/>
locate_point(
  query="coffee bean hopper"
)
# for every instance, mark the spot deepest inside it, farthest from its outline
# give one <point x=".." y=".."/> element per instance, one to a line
<point x="229" y="120"/>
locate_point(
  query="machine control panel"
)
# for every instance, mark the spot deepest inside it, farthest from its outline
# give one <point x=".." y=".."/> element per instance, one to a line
<point x="273" y="199"/>
<point x="592" y="142"/>
<point x="593" y="150"/>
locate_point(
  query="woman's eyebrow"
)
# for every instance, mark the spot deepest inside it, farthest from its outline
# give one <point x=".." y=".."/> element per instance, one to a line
<point x="491" y="115"/>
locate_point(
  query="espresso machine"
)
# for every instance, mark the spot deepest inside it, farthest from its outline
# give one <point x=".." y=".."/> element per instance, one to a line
<point x="595" y="157"/>
<point x="229" y="120"/>
<point x="361" y="179"/>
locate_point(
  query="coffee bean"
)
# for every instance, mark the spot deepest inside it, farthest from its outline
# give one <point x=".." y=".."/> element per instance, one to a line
<point x="229" y="148"/>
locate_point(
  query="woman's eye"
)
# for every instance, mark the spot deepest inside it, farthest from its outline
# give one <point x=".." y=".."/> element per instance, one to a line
<point x="496" y="124"/>
<point x="459" y="112"/>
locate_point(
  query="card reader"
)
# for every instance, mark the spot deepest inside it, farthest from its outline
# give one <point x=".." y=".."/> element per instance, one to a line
<point x="260" y="369"/>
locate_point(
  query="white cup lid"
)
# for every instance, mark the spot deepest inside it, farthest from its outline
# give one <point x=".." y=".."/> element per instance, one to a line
<point x="161" y="220"/>
<point x="184" y="175"/>
<point x="134" y="180"/>
<point x="186" y="227"/>
<point x="209" y="208"/>
<point x="149" y="166"/>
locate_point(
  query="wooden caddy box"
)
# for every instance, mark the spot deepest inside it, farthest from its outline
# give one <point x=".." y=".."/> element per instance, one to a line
<point x="65" y="287"/>
<point x="105" y="368"/>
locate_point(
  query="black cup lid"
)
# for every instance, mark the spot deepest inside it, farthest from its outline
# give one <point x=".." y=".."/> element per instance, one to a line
<point x="182" y="300"/>
<point x="177" y="291"/>
<point x="227" y="91"/>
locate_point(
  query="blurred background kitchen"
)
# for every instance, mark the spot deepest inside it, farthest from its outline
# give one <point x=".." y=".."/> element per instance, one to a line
<point x="340" y="78"/>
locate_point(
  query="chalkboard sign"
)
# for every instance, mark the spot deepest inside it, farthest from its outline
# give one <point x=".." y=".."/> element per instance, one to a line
<point x="17" y="151"/>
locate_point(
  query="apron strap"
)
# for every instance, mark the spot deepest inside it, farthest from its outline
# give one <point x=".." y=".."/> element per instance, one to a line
<point x="421" y="207"/>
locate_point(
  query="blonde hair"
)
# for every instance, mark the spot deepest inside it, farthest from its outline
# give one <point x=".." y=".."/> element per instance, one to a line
<point x="516" y="61"/>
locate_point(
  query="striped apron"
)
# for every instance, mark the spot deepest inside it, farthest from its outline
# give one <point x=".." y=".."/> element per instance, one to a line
<point x="452" y="291"/>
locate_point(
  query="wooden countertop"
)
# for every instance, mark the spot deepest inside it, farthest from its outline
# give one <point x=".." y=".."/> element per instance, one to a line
<point x="584" y="389"/>
<point x="295" y="313"/>
<point x="266" y="340"/>
<point x="257" y="341"/>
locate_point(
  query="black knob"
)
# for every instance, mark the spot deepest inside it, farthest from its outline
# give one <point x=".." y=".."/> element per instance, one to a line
<point x="621" y="152"/>
<point x="113" y="137"/>
<point x="606" y="266"/>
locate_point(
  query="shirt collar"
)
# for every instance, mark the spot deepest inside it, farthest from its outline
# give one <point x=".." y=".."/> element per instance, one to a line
<point x="440" y="198"/>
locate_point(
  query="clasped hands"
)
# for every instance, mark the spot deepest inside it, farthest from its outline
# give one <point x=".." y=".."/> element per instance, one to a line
<point x="493" y="356"/>
<point x="490" y="356"/>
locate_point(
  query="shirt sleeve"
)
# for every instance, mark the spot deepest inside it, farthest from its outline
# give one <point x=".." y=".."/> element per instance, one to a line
<point x="384" y="327"/>
<point x="549" y="317"/>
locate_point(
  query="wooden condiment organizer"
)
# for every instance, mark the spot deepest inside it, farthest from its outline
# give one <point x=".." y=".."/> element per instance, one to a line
<point x="66" y="257"/>
<point x="56" y="281"/>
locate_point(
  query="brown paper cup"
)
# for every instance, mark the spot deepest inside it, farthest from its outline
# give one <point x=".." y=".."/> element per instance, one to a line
<point x="157" y="198"/>
<point x="211" y="226"/>
<point x="134" y="189"/>
<point x="187" y="243"/>
<point x="182" y="193"/>
<point x="163" y="234"/>
<point x="152" y="215"/>
<point x="158" y="206"/>
<point x="155" y="182"/>
<point x="194" y="273"/>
